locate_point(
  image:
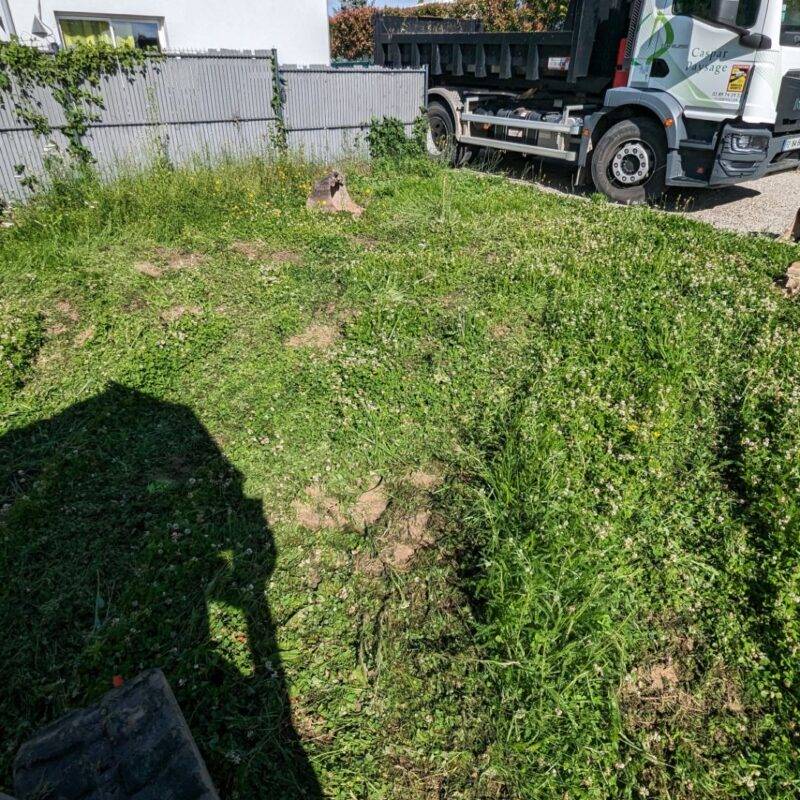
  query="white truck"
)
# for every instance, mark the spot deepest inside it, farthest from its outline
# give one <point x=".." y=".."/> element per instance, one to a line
<point x="638" y="95"/>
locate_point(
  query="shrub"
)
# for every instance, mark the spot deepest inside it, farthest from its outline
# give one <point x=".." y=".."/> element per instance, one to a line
<point x="388" y="141"/>
<point x="352" y="31"/>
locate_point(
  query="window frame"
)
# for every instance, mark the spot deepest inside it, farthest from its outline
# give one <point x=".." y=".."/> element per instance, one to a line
<point x="790" y="36"/>
<point x="110" y="19"/>
<point x="714" y="23"/>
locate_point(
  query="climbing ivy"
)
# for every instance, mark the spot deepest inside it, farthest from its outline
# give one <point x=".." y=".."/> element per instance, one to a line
<point x="73" y="77"/>
<point x="278" y="103"/>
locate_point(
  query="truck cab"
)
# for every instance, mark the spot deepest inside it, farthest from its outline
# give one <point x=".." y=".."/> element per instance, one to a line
<point x="730" y="72"/>
<point x="638" y="95"/>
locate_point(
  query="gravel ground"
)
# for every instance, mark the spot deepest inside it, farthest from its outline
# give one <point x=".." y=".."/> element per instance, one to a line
<point x="768" y="205"/>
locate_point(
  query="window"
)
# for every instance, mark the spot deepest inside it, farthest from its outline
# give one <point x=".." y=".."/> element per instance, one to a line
<point x="141" y="33"/>
<point x="790" y="25"/>
<point x="746" y="13"/>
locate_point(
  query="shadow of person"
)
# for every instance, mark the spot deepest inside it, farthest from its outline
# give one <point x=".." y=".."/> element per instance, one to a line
<point x="126" y="542"/>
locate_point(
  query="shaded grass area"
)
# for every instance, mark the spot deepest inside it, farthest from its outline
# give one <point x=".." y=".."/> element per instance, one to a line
<point x="489" y="493"/>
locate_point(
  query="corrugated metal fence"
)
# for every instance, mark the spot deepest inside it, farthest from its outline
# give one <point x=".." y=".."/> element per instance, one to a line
<point x="327" y="111"/>
<point x="206" y="106"/>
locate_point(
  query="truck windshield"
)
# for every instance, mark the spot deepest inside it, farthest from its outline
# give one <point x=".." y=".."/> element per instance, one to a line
<point x="790" y="27"/>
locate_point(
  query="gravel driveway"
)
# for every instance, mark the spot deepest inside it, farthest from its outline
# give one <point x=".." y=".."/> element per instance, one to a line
<point x="768" y="205"/>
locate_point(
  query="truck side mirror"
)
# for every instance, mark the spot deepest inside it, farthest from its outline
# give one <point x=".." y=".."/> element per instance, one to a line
<point x="757" y="41"/>
<point x="725" y="12"/>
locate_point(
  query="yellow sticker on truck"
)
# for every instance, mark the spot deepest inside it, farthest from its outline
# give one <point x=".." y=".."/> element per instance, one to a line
<point x="738" y="78"/>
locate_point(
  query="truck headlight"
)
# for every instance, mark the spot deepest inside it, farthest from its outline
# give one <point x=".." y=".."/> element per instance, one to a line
<point x="746" y="143"/>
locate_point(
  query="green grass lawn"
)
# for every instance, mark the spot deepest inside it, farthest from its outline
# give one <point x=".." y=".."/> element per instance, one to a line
<point x="489" y="493"/>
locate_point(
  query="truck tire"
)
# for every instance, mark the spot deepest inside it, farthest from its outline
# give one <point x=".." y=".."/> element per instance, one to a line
<point x="442" y="144"/>
<point x="629" y="162"/>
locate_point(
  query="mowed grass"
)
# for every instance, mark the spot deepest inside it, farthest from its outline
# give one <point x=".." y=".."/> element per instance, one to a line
<point x="487" y="494"/>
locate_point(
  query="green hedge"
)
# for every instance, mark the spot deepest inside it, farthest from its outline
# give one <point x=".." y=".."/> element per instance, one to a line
<point x="352" y="31"/>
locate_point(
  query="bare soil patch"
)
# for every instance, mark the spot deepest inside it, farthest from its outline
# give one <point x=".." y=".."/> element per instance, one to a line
<point x="85" y="336"/>
<point x="791" y="284"/>
<point x="63" y="316"/>
<point x="371" y="566"/>
<point x="426" y="478"/>
<point x="452" y="300"/>
<point x="401" y="556"/>
<point x="177" y="312"/>
<point x="149" y="269"/>
<point x="318" y="511"/>
<point x="499" y="332"/>
<point x="317" y="336"/>
<point x="677" y="687"/>
<point x="135" y="304"/>
<point x="285" y="257"/>
<point x="310" y="726"/>
<point x="252" y="251"/>
<point x="168" y="258"/>
<point x="66" y="309"/>
<point x="417" y="528"/>
<point x="405" y="537"/>
<point x="179" y="259"/>
<point x="370" y="506"/>
<point x="331" y="311"/>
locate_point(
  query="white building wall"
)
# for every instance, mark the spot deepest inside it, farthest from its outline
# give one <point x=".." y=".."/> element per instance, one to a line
<point x="297" y="29"/>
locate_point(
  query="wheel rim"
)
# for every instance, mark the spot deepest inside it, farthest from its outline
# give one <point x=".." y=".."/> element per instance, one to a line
<point x="438" y="136"/>
<point x="632" y="165"/>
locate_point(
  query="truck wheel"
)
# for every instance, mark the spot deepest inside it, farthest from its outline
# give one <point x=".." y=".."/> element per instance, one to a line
<point x="630" y="160"/>
<point x="442" y="144"/>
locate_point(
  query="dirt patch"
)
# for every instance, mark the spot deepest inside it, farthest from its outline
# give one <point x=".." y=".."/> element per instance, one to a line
<point x="406" y="536"/>
<point x="317" y="336"/>
<point x="678" y="686"/>
<point x="285" y="257"/>
<point x="401" y="556"/>
<point x="370" y="566"/>
<point x="258" y="251"/>
<point x="370" y="506"/>
<point x="148" y="268"/>
<point x="417" y="528"/>
<point x="135" y="304"/>
<point x="660" y="678"/>
<point x="66" y="309"/>
<point x="452" y="300"/>
<point x="792" y="281"/>
<point x="656" y="691"/>
<point x="313" y="579"/>
<point x="63" y="316"/>
<point x="177" y="312"/>
<point x="330" y="311"/>
<point x="252" y="251"/>
<point x="499" y="332"/>
<point x="168" y="258"/>
<point x="310" y="727"/>
<point x="426" y="478"/>
<point x="318" y="511"/>
<point x="177" y="259"/>
<point x="85" y="336"/>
